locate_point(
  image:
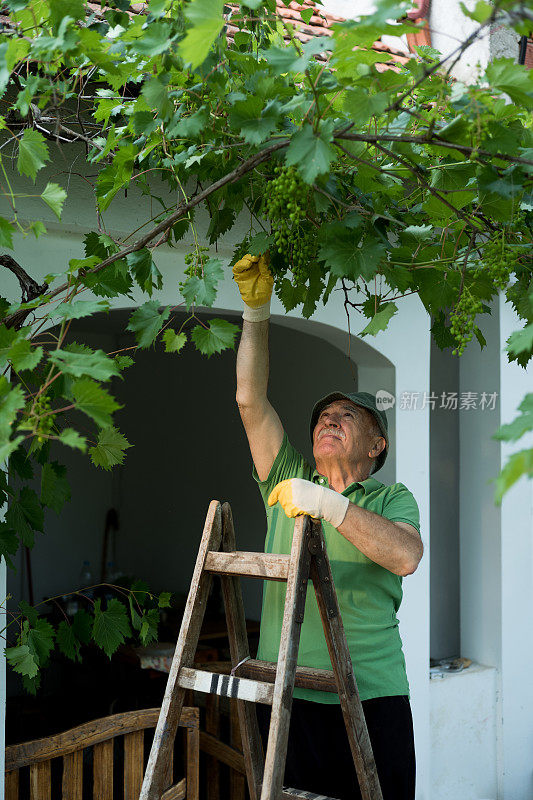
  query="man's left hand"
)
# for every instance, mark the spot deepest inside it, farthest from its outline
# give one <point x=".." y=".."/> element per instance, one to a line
<point x="298" y="496"/>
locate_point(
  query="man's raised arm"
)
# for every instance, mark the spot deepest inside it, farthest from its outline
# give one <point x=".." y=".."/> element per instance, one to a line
<point x="262" y="425"/>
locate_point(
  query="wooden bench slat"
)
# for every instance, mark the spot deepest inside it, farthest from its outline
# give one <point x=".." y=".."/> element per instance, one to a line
<point x="72" y="782"/>
<point x="12" y="785"/>
<point x="177" y="792"/>
<point x="266" y="566"/>
<point x="40" y="781"/>
<point x="133" y="764"/>
<point x="193" y="764"/>
<point x="90" y="733"/>
<point x="103" y="770"/>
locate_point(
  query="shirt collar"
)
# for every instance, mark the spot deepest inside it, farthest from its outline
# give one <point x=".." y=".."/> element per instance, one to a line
<point x="368" y="485"/>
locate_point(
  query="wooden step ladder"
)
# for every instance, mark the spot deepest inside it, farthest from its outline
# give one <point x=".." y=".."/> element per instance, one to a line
<point x="308" y="560"/>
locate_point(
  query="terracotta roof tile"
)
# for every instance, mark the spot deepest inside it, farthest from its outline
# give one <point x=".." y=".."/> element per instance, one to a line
<point x="319" y="24"/>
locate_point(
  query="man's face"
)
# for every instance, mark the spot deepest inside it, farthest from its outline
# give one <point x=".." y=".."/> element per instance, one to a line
<point x="343" y="431"/>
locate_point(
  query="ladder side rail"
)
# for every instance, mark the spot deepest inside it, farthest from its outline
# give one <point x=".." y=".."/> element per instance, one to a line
<point x="341" y="662"/>
<point x="293" y="616"/>
<point x="156" y="771"/>
<point x="239" y="650"/>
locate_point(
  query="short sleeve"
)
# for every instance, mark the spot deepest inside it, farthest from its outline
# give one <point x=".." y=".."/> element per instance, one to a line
<point x="289" y="463"/>
<point x="401" y="506"/>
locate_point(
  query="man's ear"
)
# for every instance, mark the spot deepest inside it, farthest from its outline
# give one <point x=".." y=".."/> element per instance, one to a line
<point x="378" y="448"/>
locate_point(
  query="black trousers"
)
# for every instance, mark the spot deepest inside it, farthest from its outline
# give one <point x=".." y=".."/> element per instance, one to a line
<point x="319" y="758"/>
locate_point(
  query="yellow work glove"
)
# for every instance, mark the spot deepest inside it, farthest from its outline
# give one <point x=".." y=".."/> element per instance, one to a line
<point x="298" y="496"/>
<point x="255" y="283"/>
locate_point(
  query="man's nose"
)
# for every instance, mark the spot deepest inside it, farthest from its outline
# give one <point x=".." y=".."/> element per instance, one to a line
<point x="333" y="420"/>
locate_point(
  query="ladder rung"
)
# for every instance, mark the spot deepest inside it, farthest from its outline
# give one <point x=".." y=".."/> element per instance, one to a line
<point x="225" y="685"/>
<point x="267" y="566"/>
<point x="306" y="677"/>
<point x="290" y="794"/>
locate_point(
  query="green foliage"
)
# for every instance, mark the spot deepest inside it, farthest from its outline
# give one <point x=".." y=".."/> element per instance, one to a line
<point x="54" y="197"/>
<point x="173" y="341"/>
<point x="33" y="153"/>
<point x="94" y="401"/>
<point x="364" y="183"/>
<point x="111" y="626"/>
<point x="206" y="21"/>
<point x="146" y="322"/>
<point x="214" y="337"/>
<point x="110" y="448"/>
<point x="202" y="289"/>
<point x="55" y="489"/>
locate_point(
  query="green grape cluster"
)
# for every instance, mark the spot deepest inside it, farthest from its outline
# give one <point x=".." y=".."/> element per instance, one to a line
<point x="462" y="320"/>
<point x="286" y="208"/>
<point x="40" y="420"/>
<point x="195" y="260"/>
<point x="499" y="261"/>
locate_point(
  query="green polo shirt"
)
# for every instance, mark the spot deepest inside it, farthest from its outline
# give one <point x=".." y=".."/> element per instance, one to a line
<point x="369" y="595"/>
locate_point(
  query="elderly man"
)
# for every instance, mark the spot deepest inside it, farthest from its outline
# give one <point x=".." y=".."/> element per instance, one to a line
<point x="373" y="540"/>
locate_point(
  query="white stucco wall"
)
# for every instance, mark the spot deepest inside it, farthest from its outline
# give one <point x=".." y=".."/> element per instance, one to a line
<point x="450" y="27"/>
<point x="464" y="724"/>
<point x="516" y="744"/>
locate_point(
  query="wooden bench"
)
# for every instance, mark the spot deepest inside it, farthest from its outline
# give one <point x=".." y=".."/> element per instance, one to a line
<point x="100" y="735"/>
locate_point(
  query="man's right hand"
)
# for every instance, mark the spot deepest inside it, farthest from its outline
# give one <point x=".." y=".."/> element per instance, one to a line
<point x="254" y="280"/>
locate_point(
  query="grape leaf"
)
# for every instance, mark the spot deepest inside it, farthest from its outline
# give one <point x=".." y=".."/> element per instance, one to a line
<point x="513" y="79"/>
<point x="95" y="364"/>
<point x="146" y="273"/>
<point x="67" y="641"/>
<point x="11" y="401"/>
<point x="9" y="544"/>
<point x="149" y="626"/>
<point x="173" y="341"/>
<point x="72" y="438"/>
<point x="346" y="257"/>
<point x="21" y="463"/>
<point x="380" y="320"/>
<point x="520" y="425"/>
<point x="254" y="120"/>
<point x="79" y="309"/>
<point x="219" y="335"/>
<point x="94" y="401"/>
<point x="25" y="514"/>
<point x="14" y="347"/>
<point x="164" y="600"/>
<point x="40" y="639"/>
<point x="55" y="488"/>
<point x="82" y="623"/>
<point x="202" y="290"/>
<point x="518" y="464"/>
<point x="54" y="197"/>
<point x="123" y="362"/>
<point x="146" y="322"/>
<point x="6" y="233"/>
<point x="111" y="626"/>
<point x="520" y="345"/>
<point x="33" y="153"/>
<point x="109" y="449"/>
<point x="311" y="154"/>
<point x="22" y="660"/>
<point x="206" y="21"/>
